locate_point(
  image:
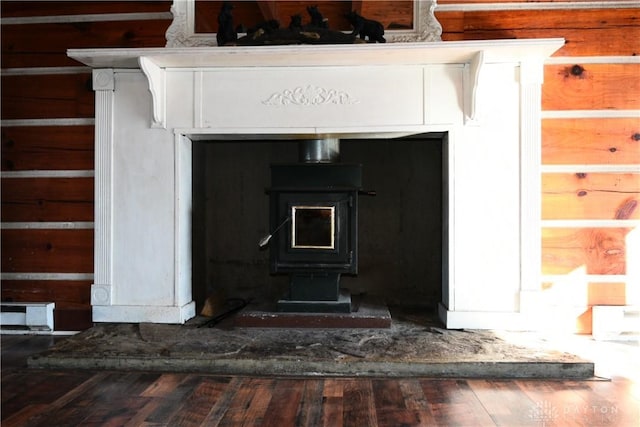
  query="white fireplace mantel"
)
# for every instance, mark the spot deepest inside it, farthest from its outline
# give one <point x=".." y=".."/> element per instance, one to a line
<point x="152" y="103"/>
<point x="473" y="55"/>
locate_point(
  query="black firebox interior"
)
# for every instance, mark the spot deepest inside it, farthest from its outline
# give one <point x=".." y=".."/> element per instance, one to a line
<point x="399" y="245"/>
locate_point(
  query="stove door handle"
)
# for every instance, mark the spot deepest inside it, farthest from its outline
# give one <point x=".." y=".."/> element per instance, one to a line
<point x="265" y="240"/>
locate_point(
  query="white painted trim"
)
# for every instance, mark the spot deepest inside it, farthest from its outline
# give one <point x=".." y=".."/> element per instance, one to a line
<point x="511" y="321"/>
<point x="104" y="86"/>
<point x="591" y="168"/>
<point x="46" y="225"/>
<point x="44" y="71"/>
<point x="474" y="7"/>
<point x="367" y="54"/>
<point x="48" y="174"/>
<point x="531" y="78"/>
<point x="590" y="114"/>
<point x="590" y="223"/>
<point x="47" y="122"/>
<point x="137" y="313"/>
<point x="97" y="17"/>
<point x="46" y="276"/>
<point x="592" y="60"/>
<point x="585" y="277"/>
<point x="156" y="76"/>
<point x="183" y="207"/>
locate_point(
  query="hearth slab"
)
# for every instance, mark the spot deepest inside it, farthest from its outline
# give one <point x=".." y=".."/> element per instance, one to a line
<point x="416" y="344"/>
<point x="367" y="314"/>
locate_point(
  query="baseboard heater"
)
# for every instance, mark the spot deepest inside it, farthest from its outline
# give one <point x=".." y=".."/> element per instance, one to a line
<point x="30" y="316"/>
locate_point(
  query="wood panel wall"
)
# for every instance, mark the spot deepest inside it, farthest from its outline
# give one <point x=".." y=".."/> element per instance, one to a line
<point x="47" y="143"/>
<point x="590" y="139"/>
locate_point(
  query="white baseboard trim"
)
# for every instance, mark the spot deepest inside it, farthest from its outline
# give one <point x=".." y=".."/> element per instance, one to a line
<point x="146" y="313"/>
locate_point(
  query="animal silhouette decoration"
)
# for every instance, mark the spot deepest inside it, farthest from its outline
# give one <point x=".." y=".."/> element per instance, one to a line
<point x="366" y="28"/>
<point x="317" y="20"/>
<point x="226" y="32"/>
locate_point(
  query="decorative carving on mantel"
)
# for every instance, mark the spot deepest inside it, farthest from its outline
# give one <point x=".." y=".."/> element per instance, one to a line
<point x="310" y="96"/>
<point x="181" y="32"/>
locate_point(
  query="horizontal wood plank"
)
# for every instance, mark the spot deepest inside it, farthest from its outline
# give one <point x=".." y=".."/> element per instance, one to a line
<point x="582" y="292"/>
<point x="47" y="96"/>
<point x="72" y="319"/>
<point x="588" y="32"/>
<point x="591" y="141"/>
<point x="607" y="294"/>
<point x="47" y="148"/>
<point x="555" y="19"/>
<point x="47" y="251"/>
<point x="591" y="87"/>
<point x="584" y="250"/>
<point x="47" y="199"/>
<point x="24" y="45"/>
<point x="72" y="397"/>
<point x="67" y="294"/>
<point x="21" y="8"/>
<point x="590" y="196"/>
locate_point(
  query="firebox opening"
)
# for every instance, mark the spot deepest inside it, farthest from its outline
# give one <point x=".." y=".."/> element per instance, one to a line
<point x="313" y="227"/>
<point x="400" y="230"/>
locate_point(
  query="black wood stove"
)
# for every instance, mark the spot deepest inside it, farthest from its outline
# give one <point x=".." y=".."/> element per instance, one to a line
<point x="314" y="218"/>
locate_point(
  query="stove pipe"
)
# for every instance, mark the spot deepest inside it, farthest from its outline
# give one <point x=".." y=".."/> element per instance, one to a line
<point x="325" y="150"/>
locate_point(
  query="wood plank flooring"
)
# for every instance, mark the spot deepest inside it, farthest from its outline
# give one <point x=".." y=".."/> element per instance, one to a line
<point x="33" y="397"/>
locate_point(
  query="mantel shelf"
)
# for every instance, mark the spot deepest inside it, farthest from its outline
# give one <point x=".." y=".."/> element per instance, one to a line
<point x="473" y="55"/>
<point x="322" y="55"/>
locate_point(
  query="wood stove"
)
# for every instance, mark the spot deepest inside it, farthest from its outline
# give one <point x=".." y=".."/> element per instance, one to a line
<point x="314" y="215"/>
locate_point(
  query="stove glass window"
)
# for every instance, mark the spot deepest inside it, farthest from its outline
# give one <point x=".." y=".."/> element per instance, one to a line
<point x="313" y="227"/>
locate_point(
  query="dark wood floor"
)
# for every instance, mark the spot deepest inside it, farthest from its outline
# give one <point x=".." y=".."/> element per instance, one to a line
<point x="32" y="397"/>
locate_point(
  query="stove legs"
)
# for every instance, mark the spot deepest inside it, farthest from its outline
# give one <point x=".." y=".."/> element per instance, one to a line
<point x="315" y="292"/>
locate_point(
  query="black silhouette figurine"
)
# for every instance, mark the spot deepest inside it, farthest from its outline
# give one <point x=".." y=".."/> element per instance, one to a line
<point x="296" y="23"/>
<point x="226" y="32"/>
<point x="317" y="20"/>
<point x="366" y="28"/>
